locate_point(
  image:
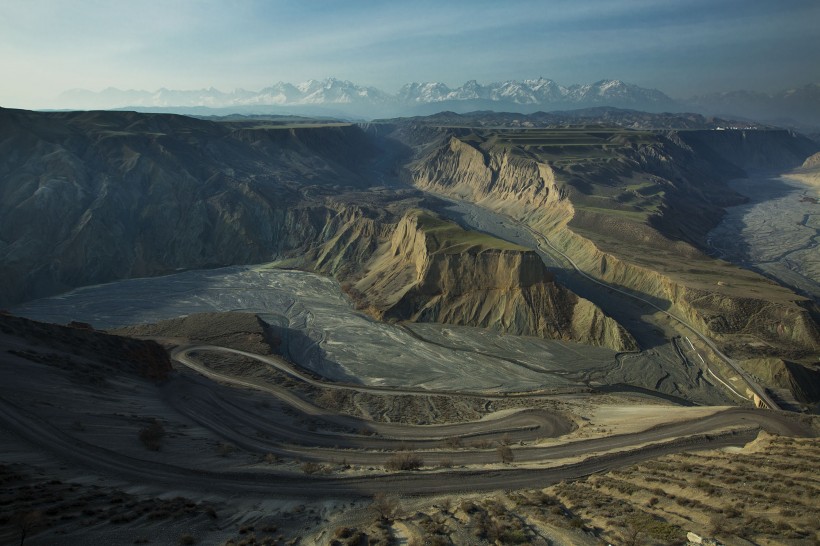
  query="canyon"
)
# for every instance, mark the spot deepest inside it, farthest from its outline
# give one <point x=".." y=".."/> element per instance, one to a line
<point x="310" y="293"/>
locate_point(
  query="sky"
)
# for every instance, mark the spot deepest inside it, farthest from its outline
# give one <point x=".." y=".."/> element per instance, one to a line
<point x="682" y="47"/>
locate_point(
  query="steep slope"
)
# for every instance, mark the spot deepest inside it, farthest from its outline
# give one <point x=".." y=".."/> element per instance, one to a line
<point x="90" y="357"/>
<point x="808" y="172"/>
<point x="433" y="271"/>
<point x="95" y="196"/>
<point x="752" y="149"/>
<point x="582" y="204"/>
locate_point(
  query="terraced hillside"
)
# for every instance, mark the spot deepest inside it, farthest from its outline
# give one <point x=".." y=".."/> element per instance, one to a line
<point x="632" y="209"/>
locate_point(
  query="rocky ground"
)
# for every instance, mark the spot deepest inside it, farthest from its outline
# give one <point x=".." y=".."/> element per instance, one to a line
<point x="218" y="449"/>
<point x="775" y="232"/>
<point x="759" y="494"/>
<point x="318" y="328"/>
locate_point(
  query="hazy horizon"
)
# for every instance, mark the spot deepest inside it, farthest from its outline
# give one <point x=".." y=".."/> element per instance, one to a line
<point x="682" y="49"/>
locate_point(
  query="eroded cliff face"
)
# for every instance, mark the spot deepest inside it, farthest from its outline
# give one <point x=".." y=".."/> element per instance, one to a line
<point x="802" y="381"/>
<point x="640" y="259"/>
<point x="503" y="180"/>
<point x="738" y="319"/>
<point x="432" y="271"/>
<point x="89" y="197"/>
<point x="90" y="356"/>
<point x="753" y="149"/>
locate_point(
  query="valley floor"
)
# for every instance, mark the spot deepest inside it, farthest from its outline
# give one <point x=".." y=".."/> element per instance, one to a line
<point x="776" y="232"/>
<point x="321" y="331"/>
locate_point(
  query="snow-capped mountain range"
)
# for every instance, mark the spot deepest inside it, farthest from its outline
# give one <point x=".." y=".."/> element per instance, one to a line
<point x="347" y="99"/>
<point x="537" y="92"/>
<point x="333" y="92"/>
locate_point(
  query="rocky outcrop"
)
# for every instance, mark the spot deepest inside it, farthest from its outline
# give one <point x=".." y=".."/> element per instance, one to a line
<point x="808" y="173"/>
<point x="625" y="253"/>
<point x="782" y="324"/>
<point x="802" y="381"/>
<point x="812" y="161"/>
<point x="89" y="197"/>
<point x="242" y="331"/>
<point x="753" y="149"/>
<point x="88" y="354"/>
<point x="432" y="271"/>
<point x="504" y="180"/>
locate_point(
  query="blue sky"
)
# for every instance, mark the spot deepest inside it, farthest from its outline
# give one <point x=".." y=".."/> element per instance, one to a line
<point x="681" y="47"/>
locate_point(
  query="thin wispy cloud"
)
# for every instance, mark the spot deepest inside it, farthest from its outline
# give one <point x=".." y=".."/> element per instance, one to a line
<point x="685" y="47"/>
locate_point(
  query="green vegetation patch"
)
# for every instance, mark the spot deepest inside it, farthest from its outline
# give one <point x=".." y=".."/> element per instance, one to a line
<point x="450" y="238"/>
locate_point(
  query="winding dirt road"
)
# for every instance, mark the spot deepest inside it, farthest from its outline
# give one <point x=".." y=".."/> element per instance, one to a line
<point x="198" y="410"/>
<point x="219" y="412"/>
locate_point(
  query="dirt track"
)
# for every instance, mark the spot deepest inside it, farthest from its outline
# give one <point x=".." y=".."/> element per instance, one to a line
<point x="196" y="407"/>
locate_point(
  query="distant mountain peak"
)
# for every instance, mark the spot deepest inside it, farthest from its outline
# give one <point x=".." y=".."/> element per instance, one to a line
<point x="340" y="97"/>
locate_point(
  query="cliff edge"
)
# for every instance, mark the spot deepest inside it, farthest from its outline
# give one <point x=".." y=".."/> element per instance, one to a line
<point x="431" y="270"/>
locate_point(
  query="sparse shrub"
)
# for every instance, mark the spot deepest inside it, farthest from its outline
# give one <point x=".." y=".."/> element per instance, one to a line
<point x="446" y="463"/>
<point x="455" y="442"/>
<point x="28" y="522"/>
<point x="343" y="532"/>
<point x="643" y="523"/>
<point x="187" y="540"/>
<point x="516" y="536"/>
<point x="505" y="454"/>
<point x="151" y="436"/>
<point x="404" y="461"/>
<point x="546" y="499"/>
<point x="718" y="525"/>
<point x="469" y="507"/>
<point x="386" y="506"/>
<point x="311" y="468"/>
<point x="271" y="458"/>
<point x="446" y="505"/>
<point x="225" y="449"/>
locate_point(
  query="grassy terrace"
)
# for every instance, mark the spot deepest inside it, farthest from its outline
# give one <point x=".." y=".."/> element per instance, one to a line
<point x="563" y="146"/>
<point x="618" y="205"/>
<point x="604" y="192"/>
<point x="449" y="238"/>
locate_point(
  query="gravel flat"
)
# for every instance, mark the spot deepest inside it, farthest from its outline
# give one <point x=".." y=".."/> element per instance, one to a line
<point x="775" y="233"/>
<point x="324" y="333"/>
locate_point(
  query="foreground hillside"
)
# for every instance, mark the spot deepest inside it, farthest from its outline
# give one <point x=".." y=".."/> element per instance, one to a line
<point x="226" y="442"/>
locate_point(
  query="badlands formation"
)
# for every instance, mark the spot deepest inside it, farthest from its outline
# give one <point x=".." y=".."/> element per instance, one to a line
<point x="433" y="330"/>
